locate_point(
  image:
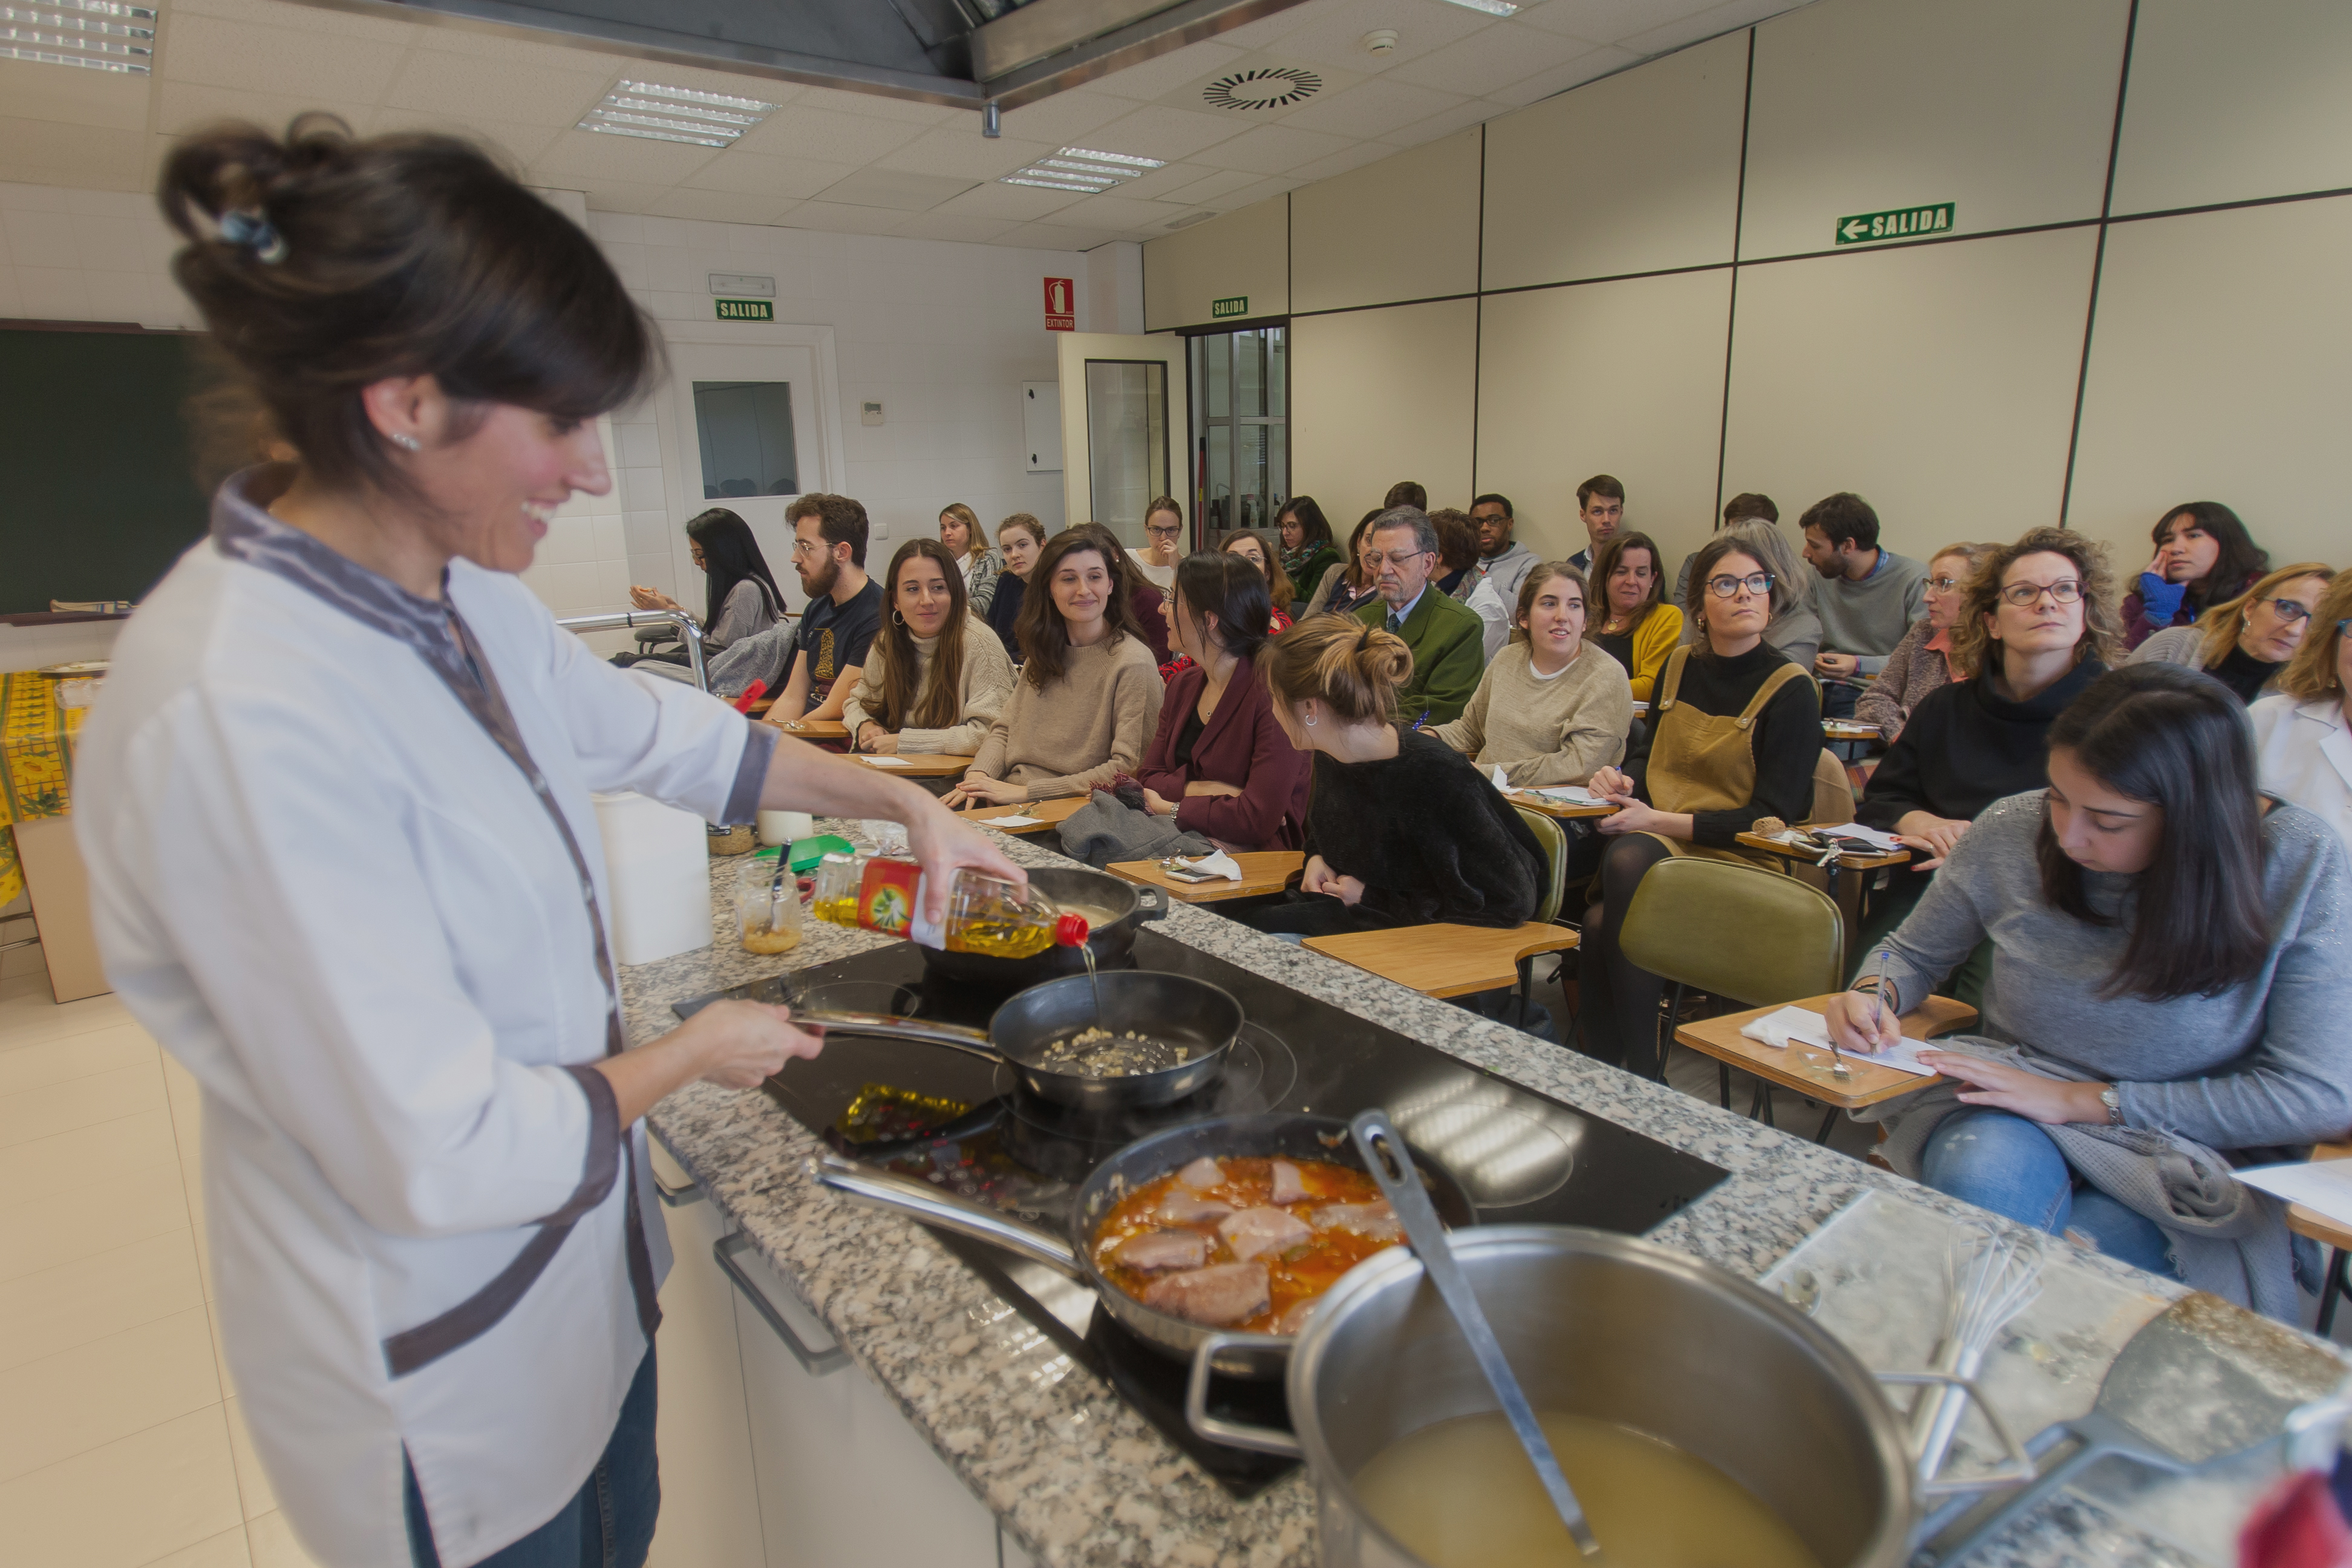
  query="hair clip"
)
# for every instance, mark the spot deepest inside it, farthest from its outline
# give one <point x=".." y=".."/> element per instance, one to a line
<point x="251" y="231"/>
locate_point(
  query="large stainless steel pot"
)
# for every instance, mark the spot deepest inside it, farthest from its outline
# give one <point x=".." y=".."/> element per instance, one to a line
<point x="1115" y="912"/>
<point x="1275" y="1135"/>
<point x="1611" y="1327"/>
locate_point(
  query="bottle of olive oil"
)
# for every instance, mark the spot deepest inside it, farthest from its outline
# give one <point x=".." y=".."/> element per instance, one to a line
<point x="985" y="914"/>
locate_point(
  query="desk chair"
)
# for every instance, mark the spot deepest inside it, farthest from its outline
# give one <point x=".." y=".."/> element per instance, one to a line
<point x="2336" y="1236"/>
<point x="1734" y="930"/>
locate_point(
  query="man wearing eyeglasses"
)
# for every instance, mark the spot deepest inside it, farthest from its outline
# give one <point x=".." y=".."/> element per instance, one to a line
<point x="1446" y="636"/>
<point x="1867" y="600"/>
<point x="845" y="607"/>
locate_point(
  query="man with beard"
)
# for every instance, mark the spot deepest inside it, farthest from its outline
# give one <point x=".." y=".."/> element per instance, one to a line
<point x="845" y="607"/>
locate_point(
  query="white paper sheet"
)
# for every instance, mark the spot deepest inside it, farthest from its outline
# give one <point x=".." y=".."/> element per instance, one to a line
<point x="1803" y="1026"/>
<point x="2322" y="1185"/>
<point x="1217" y="865"/>
<point x="1015" y="820"/>
<point x="1572" y="794"/>
<point x="884" y="761"/>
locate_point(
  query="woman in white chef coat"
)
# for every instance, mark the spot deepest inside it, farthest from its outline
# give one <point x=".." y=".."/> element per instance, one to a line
<point x="336" y="814"/>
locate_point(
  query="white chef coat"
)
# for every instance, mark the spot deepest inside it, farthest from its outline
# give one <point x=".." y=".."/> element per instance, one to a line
<point x="2303" y="752"/>
<point x="324" y="887"/>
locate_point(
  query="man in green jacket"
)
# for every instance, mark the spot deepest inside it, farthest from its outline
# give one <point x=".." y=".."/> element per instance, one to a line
<point x="1447" y="636"/>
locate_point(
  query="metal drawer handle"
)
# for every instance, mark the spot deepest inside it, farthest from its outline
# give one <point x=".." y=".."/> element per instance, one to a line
<point x="816" y="1364"/>
<point x="673" y="1197"/>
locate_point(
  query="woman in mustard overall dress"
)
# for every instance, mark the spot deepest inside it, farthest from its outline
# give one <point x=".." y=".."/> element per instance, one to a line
<point x="1738" y="729"/>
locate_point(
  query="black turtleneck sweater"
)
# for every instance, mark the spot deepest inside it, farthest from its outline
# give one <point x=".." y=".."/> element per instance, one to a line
<point x="1428" y="837"/>
<point x="1786" y="741"/>
<point x="1966" y="746"/>
<point x="2243" y="673"/>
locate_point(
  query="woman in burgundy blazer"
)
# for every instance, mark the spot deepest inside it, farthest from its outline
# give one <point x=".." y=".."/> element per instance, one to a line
<point x="1220" y="762"/>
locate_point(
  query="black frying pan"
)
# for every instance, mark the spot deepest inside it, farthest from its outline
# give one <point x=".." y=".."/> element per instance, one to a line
<point x="1276" y="1135"/>
<point x="1173" y="1007"/>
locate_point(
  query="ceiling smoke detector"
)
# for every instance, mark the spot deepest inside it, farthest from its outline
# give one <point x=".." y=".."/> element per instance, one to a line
<point x="1262" y="88"/>
<point x="1380" y="41"/>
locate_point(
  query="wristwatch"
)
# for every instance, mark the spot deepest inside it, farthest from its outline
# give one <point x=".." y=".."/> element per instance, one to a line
<point x="2114" y="1101"/>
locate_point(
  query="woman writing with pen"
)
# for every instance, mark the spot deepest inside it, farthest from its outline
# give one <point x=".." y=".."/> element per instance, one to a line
<point x="2168" y="994"/>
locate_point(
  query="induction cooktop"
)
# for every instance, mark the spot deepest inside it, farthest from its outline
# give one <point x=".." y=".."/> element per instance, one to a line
<point x="962" y="1122"/>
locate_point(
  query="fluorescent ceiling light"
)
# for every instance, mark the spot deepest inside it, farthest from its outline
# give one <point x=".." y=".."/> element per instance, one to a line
<point x="658" y="113"/>
<point x="1083" y="170"/>
<point x="96" y="35"/>
<point x="1492" y="7"/>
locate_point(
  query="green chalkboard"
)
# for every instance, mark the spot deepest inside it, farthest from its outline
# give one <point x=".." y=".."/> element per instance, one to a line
<point x="98" y="492"/>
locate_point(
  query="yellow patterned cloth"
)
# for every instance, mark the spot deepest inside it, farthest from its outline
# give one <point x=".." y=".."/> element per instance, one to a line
<point x="12" y="875"/>
<point x="36" y="736"/>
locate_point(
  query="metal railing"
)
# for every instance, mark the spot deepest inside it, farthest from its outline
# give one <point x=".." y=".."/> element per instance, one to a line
<point x="622" y="620"/>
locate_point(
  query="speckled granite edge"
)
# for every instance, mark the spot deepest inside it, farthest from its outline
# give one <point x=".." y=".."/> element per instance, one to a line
<point x="1076" y="1473"/>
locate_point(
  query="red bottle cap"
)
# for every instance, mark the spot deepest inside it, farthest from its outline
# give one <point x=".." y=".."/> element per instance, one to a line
<point x="1070" y="930"/>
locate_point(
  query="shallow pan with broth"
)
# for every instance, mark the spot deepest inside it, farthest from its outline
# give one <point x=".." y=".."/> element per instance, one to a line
<point x="1276" y="1136"/>
<point x="1205" y="1019"/>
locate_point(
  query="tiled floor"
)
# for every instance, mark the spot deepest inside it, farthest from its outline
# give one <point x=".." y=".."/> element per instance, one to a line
<point x="123" y="1445"/>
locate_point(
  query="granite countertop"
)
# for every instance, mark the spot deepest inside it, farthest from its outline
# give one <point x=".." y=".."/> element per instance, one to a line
<point x="1076" y="1473"/>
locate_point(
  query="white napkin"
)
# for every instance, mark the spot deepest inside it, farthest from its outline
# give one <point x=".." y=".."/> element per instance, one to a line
<point x="1015" y="820"/>
<point x="1803" y="1026"/>
<point x="1217" y="865"/>
<point x="1501" y="782"/>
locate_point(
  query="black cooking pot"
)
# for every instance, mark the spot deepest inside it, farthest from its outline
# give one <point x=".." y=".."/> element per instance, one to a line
<point x="1114" y="911"/>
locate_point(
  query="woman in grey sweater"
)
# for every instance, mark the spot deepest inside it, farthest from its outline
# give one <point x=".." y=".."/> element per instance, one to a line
<point x="2167" y="1001"/>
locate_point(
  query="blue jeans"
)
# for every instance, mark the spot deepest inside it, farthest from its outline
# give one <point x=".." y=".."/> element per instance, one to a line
<point x="2003" y="1162"/>
<point x="609" y="1524"/>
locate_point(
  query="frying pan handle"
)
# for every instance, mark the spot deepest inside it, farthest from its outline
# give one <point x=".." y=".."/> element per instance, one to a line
<point x="1216" y="1428"/>
<point x="1150" y="901"/>
<point x="919" y="1200"/>
<point x="920" y="1030"/>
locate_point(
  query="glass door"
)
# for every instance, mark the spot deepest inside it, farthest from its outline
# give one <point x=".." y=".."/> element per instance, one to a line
<point x="1241" y="429"/>
<point x="1123" y="418"/>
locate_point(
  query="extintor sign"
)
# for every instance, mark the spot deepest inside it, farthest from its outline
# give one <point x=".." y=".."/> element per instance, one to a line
<point x="1061" y="305"/>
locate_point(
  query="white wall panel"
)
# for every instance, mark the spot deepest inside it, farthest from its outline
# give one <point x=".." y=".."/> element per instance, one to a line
<point x="2238" y="101"/>
<point x="1403" y="228"/>
<point x="1379" y="396"/>
<point x="2217" y="374"/>
<point x="1245" y="252"/>
<point x="1938" y="382"/>
<point x="1625" y="378"/>
<point x="2004" y="107"/>
<point x="1634" y="174"/>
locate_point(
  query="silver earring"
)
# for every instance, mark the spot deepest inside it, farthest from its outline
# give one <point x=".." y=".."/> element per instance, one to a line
<point x="1310" y="720"/>
<point x="406" y="442"/>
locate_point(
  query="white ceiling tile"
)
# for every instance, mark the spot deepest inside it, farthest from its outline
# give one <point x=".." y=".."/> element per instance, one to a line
<point x="319" y="66"/>
<point x="519" y="144"/>
<point x="1263" y="32"/>
<point x="843" y="220"/>
<point x="1064" y="117"/>
<point x="1461" y="117"/>
<point x="1014" y="203"/>
<point x="42" y="152"/>
<point x="181" y="107"/>
<point x="590" y="154"/>
<point x="312" y="19"/>
<point x="1211" y="187"/>
<point x="719" y="206"/>
<point x="962" y="149"/>
<point x="894" y="190"/>
<point x="1336" y="38"/>
<point x="879" y="106"/>
<point x="806" y="129"/>
<point x="753" y="173"/>
<point x="1606" y="21"/>
<point x="1493" y="58"/>
<point x="1115" y="212"/>
<point x="939" y="226"/>
<point x="1559" y="79"/>
<point x="1701" y="25"/>
<point x="606" y="195"/>
<point x="1052" y="236"/>
<point x="1272" y="150"/>
<point x="524" y="94"/>
<point x="1157" y="184"/>
<point x="1169" y="71"/>
<point x="36" y="91"/>
<point x="1355" y="157"/>
<point x="1169" y="134"/>
<point x="1372" y="108"/>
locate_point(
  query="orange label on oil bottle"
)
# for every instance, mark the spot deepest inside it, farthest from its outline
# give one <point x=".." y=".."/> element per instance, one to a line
<point x="886" y="895"/>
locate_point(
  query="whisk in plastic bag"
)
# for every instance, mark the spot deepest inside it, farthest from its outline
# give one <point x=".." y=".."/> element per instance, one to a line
<point x="1990" y="1277"/>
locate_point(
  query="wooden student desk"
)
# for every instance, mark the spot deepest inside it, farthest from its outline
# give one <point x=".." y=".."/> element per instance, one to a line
<point x="1049" y="813"/>
<point x="1810" y="1071"/>
<point x="915" y="764"/>
<point x="1567" y="810"/>
<point x="814" y="729"/>
<point x="1263" y="871"/>
<point x="1443" y="959"/>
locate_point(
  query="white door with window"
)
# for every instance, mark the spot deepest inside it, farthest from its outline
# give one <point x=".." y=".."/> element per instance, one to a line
<point x="750" y="419"/>
<point x="1124" y="422"/>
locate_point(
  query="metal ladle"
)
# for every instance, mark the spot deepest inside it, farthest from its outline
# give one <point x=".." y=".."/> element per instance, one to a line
<point x="1385" y="1157"/>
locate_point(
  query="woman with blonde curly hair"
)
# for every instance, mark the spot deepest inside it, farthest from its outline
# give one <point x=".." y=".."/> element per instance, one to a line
<point x="2303" y="735"/>
<point x="2244" y="643"/>
<point x="2036" y="627"/>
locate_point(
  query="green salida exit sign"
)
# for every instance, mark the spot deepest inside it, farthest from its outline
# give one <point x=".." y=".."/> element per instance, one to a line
<point x="1902" y="222"/>
<point x="746" y="309"/>
<point x="1236" y="306"/>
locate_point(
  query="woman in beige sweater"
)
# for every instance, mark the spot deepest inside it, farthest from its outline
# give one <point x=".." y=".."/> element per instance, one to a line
<point x="937" y="677"/>
<point x="1088" y="698"/>
<point x="1552" y="707"/>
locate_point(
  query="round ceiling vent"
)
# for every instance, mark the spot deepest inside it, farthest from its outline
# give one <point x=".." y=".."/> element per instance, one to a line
<point x="1262" y="88"/>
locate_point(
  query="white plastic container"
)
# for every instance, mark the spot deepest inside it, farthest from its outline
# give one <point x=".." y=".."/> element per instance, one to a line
<point x="785" y="827"/>
<point x="658" y="862"/>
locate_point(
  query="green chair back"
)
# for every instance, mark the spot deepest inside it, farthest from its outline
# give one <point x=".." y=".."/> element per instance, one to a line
<point x="1735" y="930"/>
<point x="1554" y="839"/>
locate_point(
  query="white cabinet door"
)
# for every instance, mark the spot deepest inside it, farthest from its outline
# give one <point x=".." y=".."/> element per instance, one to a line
<point x="711" y="1510"/>
<point x="843" y="1477"/>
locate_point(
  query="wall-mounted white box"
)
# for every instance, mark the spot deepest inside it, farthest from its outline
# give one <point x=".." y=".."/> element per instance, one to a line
<point x="1041" y="425"/>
